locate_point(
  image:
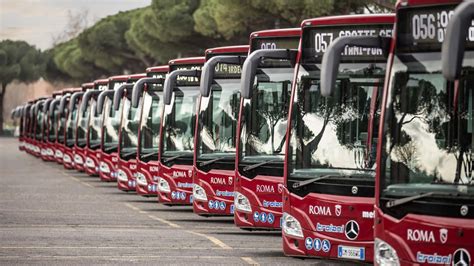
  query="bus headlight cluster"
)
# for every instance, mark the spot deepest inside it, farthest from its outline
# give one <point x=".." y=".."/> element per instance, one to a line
<point x="385" y="254"/>
<point x="49" y="152"/>
<point x="89" y="162"/>
<point x="43" y="152"/>
<point x="141" y="179"/>
<point x="104" y="168"/>
<point x="78" y="159"/>
<point x="67" y="158"/>
<point x="121" y="175"/>
<point x="163" y="185"/>
<point x="58" y="154"/>
<point x="199" y="193"/>
<point x="242" y="203"/>
<point x="291" y="226"/>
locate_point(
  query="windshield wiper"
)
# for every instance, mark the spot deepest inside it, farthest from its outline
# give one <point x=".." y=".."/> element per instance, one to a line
<point x="402" y="201"/>
<point x="125" y="155"/>
<point x="312" y="180"/>
<point x="174" y="158"/>
<point x="110" y="148"/>
<point x="214" y="160"/>
<point x="257" y="165"/>
<point x="149" y="154"/>
<point x="94" y="146"/>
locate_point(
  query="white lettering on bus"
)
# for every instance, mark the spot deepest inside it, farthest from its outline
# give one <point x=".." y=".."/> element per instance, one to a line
<point x="418" y="235"/>
<point x="265" y="189"/>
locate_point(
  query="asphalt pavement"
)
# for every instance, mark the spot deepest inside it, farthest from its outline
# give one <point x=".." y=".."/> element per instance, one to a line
<point x="49" y="215"/>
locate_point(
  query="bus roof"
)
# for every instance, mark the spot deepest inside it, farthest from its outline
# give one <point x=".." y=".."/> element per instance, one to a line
<point x="350" y="19"/>
<point x="101" y="81"/>
<point x="119" y="78"/>
<point x="158" y="69"/>
<point x="88" y="85"/>
<point x="228" y="49"/>
<point x="276" y="33"/>
<point x="187" y="61"/>
<point x="401" y="3"/>
<point x="137" y="76"/>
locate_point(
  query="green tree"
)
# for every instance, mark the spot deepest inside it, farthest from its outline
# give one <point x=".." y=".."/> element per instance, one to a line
<point x="18" y="61"/>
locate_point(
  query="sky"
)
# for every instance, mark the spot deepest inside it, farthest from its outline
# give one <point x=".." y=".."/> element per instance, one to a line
<point x="37" y="21"/>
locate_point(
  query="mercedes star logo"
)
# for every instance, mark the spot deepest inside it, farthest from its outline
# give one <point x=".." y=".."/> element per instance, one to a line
<point x="351" y="230"/>
<point x="461" y="258"/>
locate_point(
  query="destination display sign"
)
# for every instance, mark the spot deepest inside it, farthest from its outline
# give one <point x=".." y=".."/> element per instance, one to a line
<point x="223" y="70"/>
<point x="318" y="39"/>
<point x="275" y="43"/>
<point x="187" y="80"/>
<point x="423" y="29"/>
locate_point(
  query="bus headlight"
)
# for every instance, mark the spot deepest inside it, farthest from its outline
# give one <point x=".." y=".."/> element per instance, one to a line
<point x="90" y="163"/>
<point x="385" y="254"/>
<point x="291" y="226"/>
<point x="50" y="152"/>
<point x="121" y="175"/>
<point x="141" y="179"/>
<point x="58" y="154"/>
<point x="67" y="158"/>
<point x="163" y="185"/>
<point x="104" y="168"/>
<point x="199" y="193"/>
<point x="242" y="203"/>
<point x="78" y="159"/>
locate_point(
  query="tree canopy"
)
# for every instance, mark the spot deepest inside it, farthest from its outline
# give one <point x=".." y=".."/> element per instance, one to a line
<point x="130" y="41"/>
<point x="18" y="61"/>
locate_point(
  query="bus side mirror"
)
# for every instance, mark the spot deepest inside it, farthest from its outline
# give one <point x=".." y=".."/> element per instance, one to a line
<point x="101" y="100"/>
<point x="119" y="94"/>
<point x="52" y="106"/>
<point x="171" y="80"/>
<point x="208" y="70"/>
<point x="85" y="99"/>
<point x="139" y="87"/>
<point x="46" y="105"/>
<point x="332" y="57"/>
<point x="452" y="52"/>
<point x="249" y="69"/>
<point x="62" y="103"/>
<point x="75" y="97"/>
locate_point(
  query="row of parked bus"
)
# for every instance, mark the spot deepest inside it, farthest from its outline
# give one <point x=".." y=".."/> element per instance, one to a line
<point x="353" y="134"/>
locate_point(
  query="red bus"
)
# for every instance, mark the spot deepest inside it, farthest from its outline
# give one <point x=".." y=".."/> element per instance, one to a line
<point x="424" y="197"/>
<point x="47" y="153"/>
<point x="61" y="120"/>
<point x="262" y="126"/>
<point x="328" y="196"/>
<point x="150" y="91"/>
<point x="83" y="116"/>
<point x="70" y="130"/>
<point x="94" y="128"/>
<point x="128" y="134"/>
<point x="38" y="126"/>
<point x="53" y="118"/>
<point x="216" y="127"/>
<point x="110" y="129"/>
<point x="27" y="126"/>
<point x="181" y="92"/>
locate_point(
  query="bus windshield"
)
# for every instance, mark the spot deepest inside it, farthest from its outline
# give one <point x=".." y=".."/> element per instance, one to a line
<point x="218" y="119"/>
<point x="83" y="121"/>
<point x="429" y="134"/>
<point x="265" y="114"/>
<point x="130" y="123"/>
<point x="39" y="124"/>
<point x="179" y="121"/>
<point x="95" y="123"/>
<point x="71" y="126"/>
<point x="150" y="125"/>
<point x="53" y="125"/>
<point x="111" y="125"/>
